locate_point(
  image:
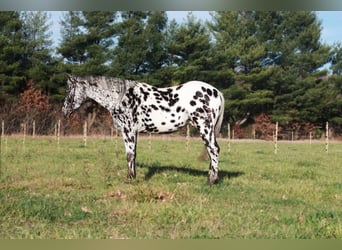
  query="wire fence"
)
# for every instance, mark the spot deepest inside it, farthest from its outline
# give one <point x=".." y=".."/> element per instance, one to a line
<point x="230" y="133"/>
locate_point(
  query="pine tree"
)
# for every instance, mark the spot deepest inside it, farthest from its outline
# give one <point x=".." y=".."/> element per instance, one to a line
<point x="131" y="50"/>
<point x="140" y="52"/>
<point x="240" y="54"/>
<point x="273" y="57"/>
<point x="99" y="39"/>
<point x="155" y="38"/>
<point x="72" y="45"/>
<point x="336" y="59"/>
<point x="300" y="56"/>
<point x="86" y="41"/>
<point x="11" y="50"/>
<point x="189" y="49"/>
<point x="37" y="56"/>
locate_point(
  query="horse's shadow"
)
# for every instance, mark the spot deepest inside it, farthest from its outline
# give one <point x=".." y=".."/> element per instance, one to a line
<point x="156" y="168"/>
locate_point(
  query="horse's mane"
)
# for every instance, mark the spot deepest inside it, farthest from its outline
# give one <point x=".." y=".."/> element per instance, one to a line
<point x="112" y="84"/>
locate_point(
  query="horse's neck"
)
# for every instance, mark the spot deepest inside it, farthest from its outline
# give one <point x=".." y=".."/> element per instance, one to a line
<point x="104" y="97"/>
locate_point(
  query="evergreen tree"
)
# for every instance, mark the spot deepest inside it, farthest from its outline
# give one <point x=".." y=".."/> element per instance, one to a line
<point x="140" y="52"/>
<point x="86" y="41"/>
<point x="336" y="59"/>
<point x="11" y="51"/>
<point x="72" y="45"/>
<point x="155" y="39"/>
<point x="300" y="56"/>
<point x="99" y="39"/>
<point x="37" y="56"/>
<point x="131" y="49"/>
<point x="333" y="101"/>
<point x="189" y="50"/>
<point x="240" y="55"/>
<point x="273" y="57"/>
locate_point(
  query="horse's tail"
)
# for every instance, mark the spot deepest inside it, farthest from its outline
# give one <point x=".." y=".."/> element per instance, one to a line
<point x="220" y="115"/>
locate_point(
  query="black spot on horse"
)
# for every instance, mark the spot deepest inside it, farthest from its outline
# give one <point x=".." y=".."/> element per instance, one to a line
<point x="174" y="100"/>
<point x="179" y="87"/>
<point x="198" y="94"/>
<point x="210" y="93"/>
<point x="215" y="93"/>
<point x="206" y="99"/>
<point x="146" y="94"/>
<point x="130" y="92"/>
<point x="192" y="103"/>
<point x="154" y="107"/>
<point x="200" y="110"/>
<point x="164" y="108"/>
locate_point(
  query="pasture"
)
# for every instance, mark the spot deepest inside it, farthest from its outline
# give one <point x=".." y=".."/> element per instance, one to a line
<point x="72" y="191"/>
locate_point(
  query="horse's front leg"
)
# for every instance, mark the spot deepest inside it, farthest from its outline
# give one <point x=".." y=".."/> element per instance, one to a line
<point x="130" y="140"/>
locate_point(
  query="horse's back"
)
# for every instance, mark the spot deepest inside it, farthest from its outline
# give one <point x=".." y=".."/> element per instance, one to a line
<point x="198" y="91"/>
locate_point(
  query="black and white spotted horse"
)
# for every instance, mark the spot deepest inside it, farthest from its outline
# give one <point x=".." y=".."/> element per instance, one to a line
<point x="138" y="107"/>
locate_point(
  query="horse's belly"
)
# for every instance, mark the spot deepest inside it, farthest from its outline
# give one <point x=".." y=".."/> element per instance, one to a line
<point x="163" y="122"/>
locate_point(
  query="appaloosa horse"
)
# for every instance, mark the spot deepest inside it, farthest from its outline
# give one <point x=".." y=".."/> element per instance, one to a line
<point x="138" y="107"/>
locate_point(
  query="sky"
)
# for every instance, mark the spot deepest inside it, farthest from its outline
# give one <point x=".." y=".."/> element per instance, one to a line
<point x="331" y="23"/>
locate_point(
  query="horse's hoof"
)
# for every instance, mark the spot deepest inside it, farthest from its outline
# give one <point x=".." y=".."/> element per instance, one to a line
<point x="212" y="179"/>
<point x="128" y="181"/>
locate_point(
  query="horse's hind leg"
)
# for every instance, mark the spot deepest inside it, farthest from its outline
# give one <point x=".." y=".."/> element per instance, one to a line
<point x="208" y="136"/>
<point x="213" y="151"/>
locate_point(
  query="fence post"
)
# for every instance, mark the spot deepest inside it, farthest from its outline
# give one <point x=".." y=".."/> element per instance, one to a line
<point x="116" y="139"/>
<point x="2" y="128"/>
<point x="228" y="137"/>
<point x="58" y="131"/>
<point x="85" y="133"/>
<point x="150" y="142"/>
<point x="33" y="128"/>
<point x="24" y="132"/>
<point x="187" y="137"/>
<point x="327" y="137"/>
<point x="276" y="139"/>
<point x="1" y="136"/>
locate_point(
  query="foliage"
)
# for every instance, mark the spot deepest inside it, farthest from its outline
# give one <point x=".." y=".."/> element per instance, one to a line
<point x="265" y="62"/>
<point x="264" y="127"/>
<point x="33" y="107"/>
<point x="33" y="101"/>
<point x="11" y="50"/>
<point x="189" y="50"/>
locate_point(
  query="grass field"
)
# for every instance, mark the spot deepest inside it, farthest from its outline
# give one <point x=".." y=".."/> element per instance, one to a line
<point x="73" y="191"/>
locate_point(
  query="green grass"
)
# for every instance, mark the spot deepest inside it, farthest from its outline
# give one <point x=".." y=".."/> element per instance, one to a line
<point x="72" y="191"/>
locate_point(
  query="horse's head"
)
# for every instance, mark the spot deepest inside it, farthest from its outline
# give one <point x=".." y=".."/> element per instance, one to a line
<point x="75" y="95"/>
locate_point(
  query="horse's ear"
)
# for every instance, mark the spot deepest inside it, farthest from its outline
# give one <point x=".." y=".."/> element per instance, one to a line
<point x="69" y="76"/>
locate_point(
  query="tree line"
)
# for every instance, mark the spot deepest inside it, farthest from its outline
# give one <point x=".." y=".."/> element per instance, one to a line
<point x="266" y="63"/>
